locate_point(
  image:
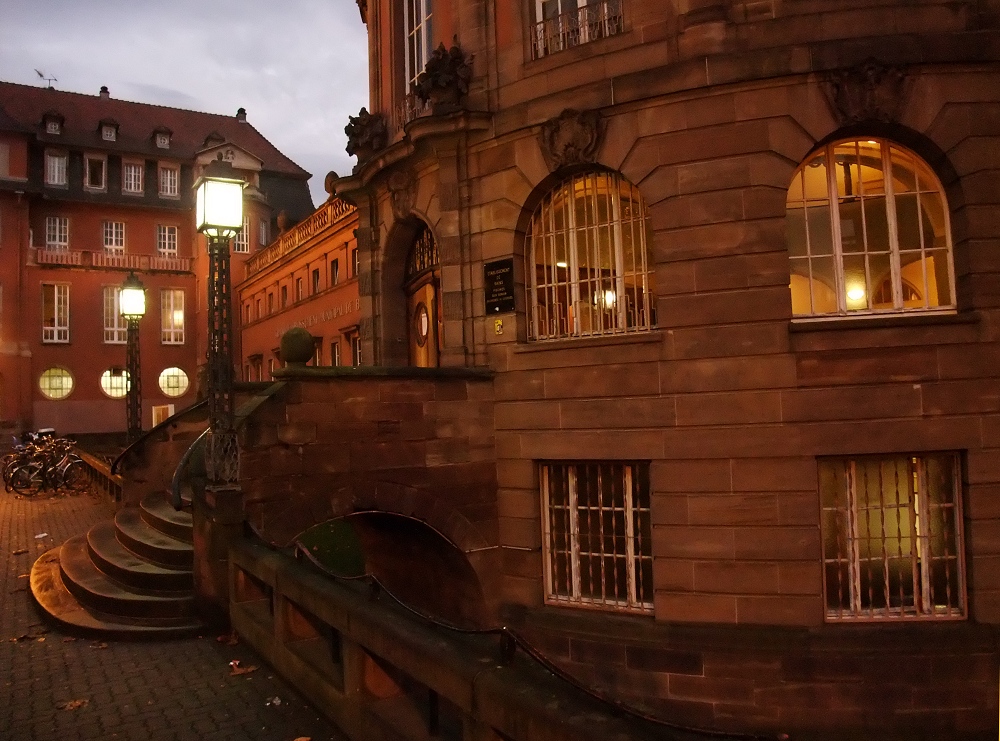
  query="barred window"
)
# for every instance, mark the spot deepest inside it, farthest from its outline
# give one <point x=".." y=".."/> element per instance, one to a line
<point x="597" y="535"/>
<point x="115" y="325"/>
<point x="56" y="232"/>
<point x="166" y="240"/>
<point x="892" y="537"/>
<point x="868" y="232"/>
<point x="172" y="316"/>
<point x="588" y="266"/>
<point x="114" y="236"/>
<point x="55" y="312"/>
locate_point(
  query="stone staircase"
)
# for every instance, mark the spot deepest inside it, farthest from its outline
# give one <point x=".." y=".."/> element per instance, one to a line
<point x="128" y="578"/>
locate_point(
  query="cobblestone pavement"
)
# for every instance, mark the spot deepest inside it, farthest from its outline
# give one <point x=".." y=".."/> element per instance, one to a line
<point x="57" y="687"/>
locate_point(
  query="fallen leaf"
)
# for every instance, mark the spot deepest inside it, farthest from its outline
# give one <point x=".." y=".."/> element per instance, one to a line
<point x="98" y="645"/>
<point x="237" y="670"/>
<point x="19" y="552"/>
<point x="304" y="738"/>
<point x="40" y="639"/>
<point x="41" y="535"/>
<point x="75" y="704"/>
<point x="23" y="576"/>
<point x="68" y="639"/>
<point x="230" y="639"/>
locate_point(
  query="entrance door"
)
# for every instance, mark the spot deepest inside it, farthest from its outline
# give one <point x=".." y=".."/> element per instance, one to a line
<point x="423" y="324"/>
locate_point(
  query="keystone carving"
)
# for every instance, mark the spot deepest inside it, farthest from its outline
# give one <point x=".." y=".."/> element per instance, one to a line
<point x="445" y="79"/>
<point x="403" y="192"/>
<point x="869" y="92"/>
<point x="572" y="138"/>
<point x="366" y="134"/>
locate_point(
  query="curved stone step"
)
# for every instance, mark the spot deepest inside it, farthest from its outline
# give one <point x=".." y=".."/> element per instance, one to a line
<point x="149" y="543"/>
<point x="56" y="601"/>
<point x="122" y="565"/>
<point x="95" y="589"/>
<point x="159" y="514"/>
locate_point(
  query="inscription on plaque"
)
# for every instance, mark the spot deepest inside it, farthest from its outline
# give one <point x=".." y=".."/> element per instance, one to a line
<point x="498" y="280"/>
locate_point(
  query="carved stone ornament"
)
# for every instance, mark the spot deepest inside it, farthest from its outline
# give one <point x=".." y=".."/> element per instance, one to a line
<point x="363" y="9"/>
<point x="403" y="191"/>
<point x="366" y="134"/>
<point x="869" y="92"/>
<point x="572" y="138"/>
<point x="445" y="79"/>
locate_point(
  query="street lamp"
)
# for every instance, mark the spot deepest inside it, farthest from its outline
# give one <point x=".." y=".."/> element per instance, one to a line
<point x="219" y="216"/>
<point x="132" y="306"/>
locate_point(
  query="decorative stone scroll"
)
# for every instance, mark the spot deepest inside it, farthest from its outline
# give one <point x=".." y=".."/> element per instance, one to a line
<point x="445" y="79"/>
<point x="869" y="92"/>
<point x="403" y="192"/>
<point x="366" y="134"/>
<point x="572" y="138"/>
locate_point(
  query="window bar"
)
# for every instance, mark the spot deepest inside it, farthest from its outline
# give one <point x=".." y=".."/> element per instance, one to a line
<point x="573" y="532"/>
<point x="833" y="208"/>
<point x="925" y="556"/>
<point x="843" y="527"/>
<point x="899" y="541"/>
<point x="615" y="212"/>
<point x="852" y="513"/>
<point x="890" y="215"/>
<point x="632" y="543"/>
<point x="573" y="261"/>
<point x="920" y="236"/>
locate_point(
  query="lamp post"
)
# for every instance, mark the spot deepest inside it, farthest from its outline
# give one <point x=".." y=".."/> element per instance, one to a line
<point x="132" y="306"/>
<point x="219" y="216"/>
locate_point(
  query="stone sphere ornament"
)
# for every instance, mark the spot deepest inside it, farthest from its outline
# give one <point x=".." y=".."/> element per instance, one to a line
<point x="297" y="346"/>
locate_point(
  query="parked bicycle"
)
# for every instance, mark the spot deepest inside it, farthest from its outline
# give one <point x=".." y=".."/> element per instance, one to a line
<point x="44" y="463"/>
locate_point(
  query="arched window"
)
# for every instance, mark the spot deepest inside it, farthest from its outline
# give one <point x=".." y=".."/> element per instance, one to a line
<point x="868" y="232"/>
<point x="588" y="268"/>
<point x="55" y="383"/>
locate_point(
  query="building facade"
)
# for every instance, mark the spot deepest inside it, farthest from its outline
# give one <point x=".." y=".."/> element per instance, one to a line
<point x="91" y="189"/>
<point x="735" y="268"/>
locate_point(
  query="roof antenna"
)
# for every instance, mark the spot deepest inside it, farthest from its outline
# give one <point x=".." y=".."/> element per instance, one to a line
<point x="47" y="78"/>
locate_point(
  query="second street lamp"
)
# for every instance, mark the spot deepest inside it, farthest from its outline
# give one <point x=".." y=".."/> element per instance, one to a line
<point x="132" y="306"/>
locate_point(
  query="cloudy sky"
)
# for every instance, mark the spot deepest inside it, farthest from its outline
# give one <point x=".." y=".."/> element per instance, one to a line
<point x="299" y="67"/>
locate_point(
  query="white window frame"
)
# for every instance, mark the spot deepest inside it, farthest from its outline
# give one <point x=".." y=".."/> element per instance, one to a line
<point x="56" y="168"/>
<point x="166" y="240"/>
<point x="573" y="297"/>
<point x="115" y="325"/>
<point x="133" y="174"/>
<point x="335" y="352"/>
<point x="172" y="307"/>
<point x="169" y="177"/>
<point x="87" y="159"/>
<point x="241" y="242"/>
<point x="264" y="232"/>
<point x="58" y="331"/>
<point x="53" y="127"/>
<point x="565" y="586"/>
<point x="56" y="232"/>
<point x="877" y="513"/>
<point x="833" y="202"/>
<point x="163" y="140"/>
<point x="109" y="133"/>
<point x="418" y="17"/>
<point x="357" y="357"/>
<point x="114" y="236"/>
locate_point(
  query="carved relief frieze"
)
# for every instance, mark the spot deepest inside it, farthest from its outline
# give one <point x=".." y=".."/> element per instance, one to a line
<point x="571" y="138"/>
<point x="402" y="192"/>
<point x="868" y="92"/>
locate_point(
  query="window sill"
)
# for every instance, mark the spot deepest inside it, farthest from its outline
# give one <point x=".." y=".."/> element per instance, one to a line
<point x="568" y="343"/>
<point x="885" y="321"/>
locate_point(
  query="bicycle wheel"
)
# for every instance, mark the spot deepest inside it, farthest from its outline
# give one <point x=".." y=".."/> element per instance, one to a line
<point x="75" y="477"/>
<point x="25" y="480"/>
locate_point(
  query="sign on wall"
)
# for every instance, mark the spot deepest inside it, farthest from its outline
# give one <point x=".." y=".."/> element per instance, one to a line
<point x="498" y="281"/>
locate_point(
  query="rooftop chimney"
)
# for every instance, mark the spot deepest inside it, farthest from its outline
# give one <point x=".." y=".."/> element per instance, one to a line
<point x="104" y="92"/>
<point x="241" y="115"/>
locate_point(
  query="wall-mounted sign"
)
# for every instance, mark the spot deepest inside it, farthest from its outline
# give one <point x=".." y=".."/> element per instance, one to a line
<point x="498" y="282"/>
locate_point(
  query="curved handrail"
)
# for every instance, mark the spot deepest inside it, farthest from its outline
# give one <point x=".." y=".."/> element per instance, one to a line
<point x="169" y="420"/>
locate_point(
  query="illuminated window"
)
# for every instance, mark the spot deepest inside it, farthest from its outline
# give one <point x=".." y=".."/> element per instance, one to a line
<point x="892" y="537"/>
<point x="166" y="240"/>
<point x="169" y="181"/>
<point x="56" y="232"/>
<point x="597" y="535"/>
<point x="132" y="177"/>
<point x="172" y="316"/>
<point x="241" y="242"/>
<point x="114" y="383"/>
<point x="55" y="168"/>
<point x="588" y="267"/>
<point x="561" y="24"/>
<point x="418" y="14"/>
<point x="114" y="236"/>
<point x="115" y="325"/>
<point x="868" y="232"/>
<point x="55" y="383"/>
<point x="55" y="312"/>
<point x="174" y="382"/>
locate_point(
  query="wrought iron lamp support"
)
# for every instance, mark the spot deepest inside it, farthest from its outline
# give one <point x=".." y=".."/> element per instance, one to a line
<point x="133" y="400"/>
<point x="223" y="451"/>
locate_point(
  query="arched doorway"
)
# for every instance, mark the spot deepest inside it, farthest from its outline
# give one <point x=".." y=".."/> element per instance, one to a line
<point x="421" y="283"/>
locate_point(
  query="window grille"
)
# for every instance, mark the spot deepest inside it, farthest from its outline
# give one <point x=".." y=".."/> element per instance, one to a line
<point x="588" y="267"/>
<point x="55" y="169"/>
<point x="169" y="181"/>
<point x="115" y="325"/>
<point x="892" y="539"/>
<point x="55" y="312"/>
<point x="868" y="232"/>
<point x="114" y="236"/>
<point x="597" y="535"/>
<point x="166" y="240"/>
<point x="132" y="177"/>
<point x="423" y="254"/>
<point x="562" y="24"/>
<point x="172" y="316"/>
<point x="56" y="232"/>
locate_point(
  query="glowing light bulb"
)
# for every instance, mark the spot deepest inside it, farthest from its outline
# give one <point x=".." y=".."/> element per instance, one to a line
<point x="856" y="293"/>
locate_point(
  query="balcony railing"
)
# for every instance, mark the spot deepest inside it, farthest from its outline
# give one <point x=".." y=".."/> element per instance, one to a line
<point x="112" y="260"/>
<point x="578" y="26"/>
<point x="410" y="108"/>
<point x="58" y="256"/>
<point x="295" y="237"/>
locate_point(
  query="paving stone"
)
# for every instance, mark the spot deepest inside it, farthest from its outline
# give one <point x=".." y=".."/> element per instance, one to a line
<point x="148" y="691"/>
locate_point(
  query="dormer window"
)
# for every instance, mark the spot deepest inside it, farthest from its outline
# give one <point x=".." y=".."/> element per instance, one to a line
<point x="109" y="133"/>
<point x="163" y="141"/>
<point x="52" y="127"/>
<point x="53" y="122"/>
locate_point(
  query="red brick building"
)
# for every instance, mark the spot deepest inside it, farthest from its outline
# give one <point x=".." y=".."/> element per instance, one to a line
<point x="92" y="188"/>
<point x="734" y="268"/>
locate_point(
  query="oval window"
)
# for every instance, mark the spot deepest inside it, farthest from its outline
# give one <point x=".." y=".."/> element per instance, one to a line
<point x="173" y="382"/>
<point x="421" y="324"/>
<point x="55" y="383"/>
<point x="114" y="382"/>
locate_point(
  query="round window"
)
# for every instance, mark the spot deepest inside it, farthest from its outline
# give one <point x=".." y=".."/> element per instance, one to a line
<point x="421" y="323"/>
<point x="114" y="383"/>
<point x="173" y="382"/>
<point x="55" y="383"/>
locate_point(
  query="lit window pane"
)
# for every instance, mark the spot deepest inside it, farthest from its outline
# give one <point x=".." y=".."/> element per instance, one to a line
<point x="173" y="382"/>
